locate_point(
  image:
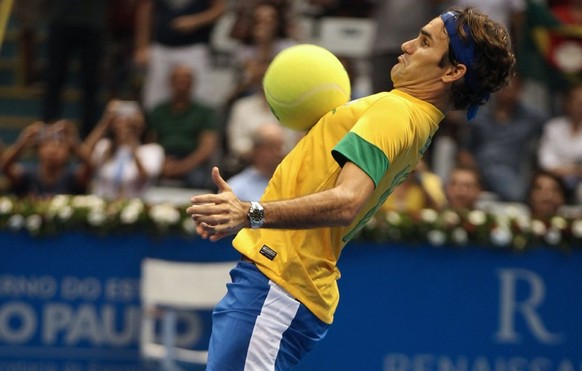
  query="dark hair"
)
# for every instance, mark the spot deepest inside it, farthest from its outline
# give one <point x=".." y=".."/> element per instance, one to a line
<point x="282" y="20"/>
<point x="469" y="169"/>
<point x="548" y="174"/>
<point x="494" y="63"/>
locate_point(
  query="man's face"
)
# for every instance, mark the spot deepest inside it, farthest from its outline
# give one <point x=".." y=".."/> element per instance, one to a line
<point x="419" y="65"/>
<point x="181" y="81"/>
<point x="546" y="197"/>
<point x="463" y="190"/>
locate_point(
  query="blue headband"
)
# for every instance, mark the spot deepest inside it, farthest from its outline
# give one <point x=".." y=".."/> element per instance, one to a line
<point x="465" y="53"/>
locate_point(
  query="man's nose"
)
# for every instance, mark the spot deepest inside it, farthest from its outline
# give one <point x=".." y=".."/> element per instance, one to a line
<point x="408" y="46"/>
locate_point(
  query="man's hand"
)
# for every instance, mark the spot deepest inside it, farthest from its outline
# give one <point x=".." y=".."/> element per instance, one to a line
<point x="174" y="168"/>
<point x="186" y="23"/>
<point x="218" y="215"/>
<point x="141" y="57"/>
<point x="30" y="135"/>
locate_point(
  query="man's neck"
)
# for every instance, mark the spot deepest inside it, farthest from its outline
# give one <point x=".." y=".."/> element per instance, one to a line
<point x="180" y="103"/>
<point x="435" y="96"/>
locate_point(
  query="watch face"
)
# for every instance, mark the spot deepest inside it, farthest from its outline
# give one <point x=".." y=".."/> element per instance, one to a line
<point x="256" y="215"/>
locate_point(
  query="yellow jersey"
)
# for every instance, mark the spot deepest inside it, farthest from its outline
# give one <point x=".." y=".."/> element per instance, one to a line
<point x="384" y="134"/>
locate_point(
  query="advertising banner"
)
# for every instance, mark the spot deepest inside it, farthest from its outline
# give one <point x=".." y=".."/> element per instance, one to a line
<point x="72" y="302"/>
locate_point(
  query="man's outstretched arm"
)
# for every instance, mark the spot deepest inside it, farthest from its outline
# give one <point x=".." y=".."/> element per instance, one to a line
<point x="222" y="214"/>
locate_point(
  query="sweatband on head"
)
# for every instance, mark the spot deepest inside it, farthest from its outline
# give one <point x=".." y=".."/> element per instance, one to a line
<point x="464" y="51"/>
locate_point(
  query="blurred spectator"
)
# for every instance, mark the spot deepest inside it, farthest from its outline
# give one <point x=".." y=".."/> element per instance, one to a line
<point x="266" y="36"/>
<point x="463" y="188"/>
<point x="75" y="27"/>
<point x="551" y="48"/>
<point x="245" y="17"/>
<point x="509" y="13"/>
<point x="560" y="149"/>
<point x="170" y="33"/>
<point x="247" y="114"/>
<point x="187" y="130"/>
<point x="546" y="195"/>
<point x="501" y="141"/>
<point x="564" y="48"/>
<point x="265" y="156"/>
<point x="422" y="189"/>
<point x="30" y="15"/>
<point x="124" y="167"/>
<point x="50" y="171"/>
<point x="396" y="20"/>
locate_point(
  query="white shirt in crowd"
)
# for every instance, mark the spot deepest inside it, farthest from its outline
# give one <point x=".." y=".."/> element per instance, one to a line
<point x="559" y="146"/>
<point x="117" y="176"/>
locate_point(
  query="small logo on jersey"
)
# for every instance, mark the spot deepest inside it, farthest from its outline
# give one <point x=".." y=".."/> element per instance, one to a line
<point x="268" y="252"/>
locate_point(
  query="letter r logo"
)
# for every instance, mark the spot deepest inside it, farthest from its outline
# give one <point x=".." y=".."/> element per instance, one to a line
<point x="510" y="307"/>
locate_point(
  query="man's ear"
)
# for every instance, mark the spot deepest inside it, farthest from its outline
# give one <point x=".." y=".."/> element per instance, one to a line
<point x="454" y="73"/>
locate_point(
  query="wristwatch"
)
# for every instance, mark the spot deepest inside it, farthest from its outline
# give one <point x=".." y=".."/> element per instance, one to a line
<point x="256" y="215"/>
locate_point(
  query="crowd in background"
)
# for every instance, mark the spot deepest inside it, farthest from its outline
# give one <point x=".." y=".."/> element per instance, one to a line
<point x="147" y="118"/>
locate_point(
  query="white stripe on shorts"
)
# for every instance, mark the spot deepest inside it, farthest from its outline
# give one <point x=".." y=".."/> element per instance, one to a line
<point x="276" y="316"/>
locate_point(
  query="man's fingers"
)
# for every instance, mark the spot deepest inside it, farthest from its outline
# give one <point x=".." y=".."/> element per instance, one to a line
<point x="200" y="210"/>
<point x="206" y="199"/>
<point x="211" y="220"/>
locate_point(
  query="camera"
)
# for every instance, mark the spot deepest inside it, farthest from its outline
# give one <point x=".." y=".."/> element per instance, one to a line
<point x="126" y="108"/>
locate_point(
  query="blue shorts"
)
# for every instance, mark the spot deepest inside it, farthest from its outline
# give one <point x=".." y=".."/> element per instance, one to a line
<point x="259" y="326"/>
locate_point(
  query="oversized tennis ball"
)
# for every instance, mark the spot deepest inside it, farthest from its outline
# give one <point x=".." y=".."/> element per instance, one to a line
<point x="303" y="83"/>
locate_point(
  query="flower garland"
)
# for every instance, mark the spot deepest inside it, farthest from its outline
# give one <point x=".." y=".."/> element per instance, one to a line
<point x="509" y="231"/>
<point x="92" y="214"/>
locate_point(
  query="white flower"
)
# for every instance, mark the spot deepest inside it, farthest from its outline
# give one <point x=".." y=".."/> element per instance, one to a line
<point x="429" y="215"/>
<point x="392" y="217"/>
<point x="164" y="214"/>
<point x="459" y="236"/>
<point x="538" y="227"/>
<point x="65" y="213"/>
<point x="59" y="201"/>
<point x="502" y="220"/>
<point x="88" y="201"/>
<point x="16" y="222"/>
<point x="553" y="236"/>
<point x="577" y="228"/>
<point x="56" y="204"/>
<point x="436" y="237"/>
<point x="189" y="226"/>
<point x="96" y="218"/>
<point x="476" y="217"/>
<point x="523" y="222"/>
<point x="451" y="218"/>
<point x="501" y="236"/>
<point x="129" y="215"/>
<point x="136" y="205"/>
<point x="131" y="212"/>
<point x="6" y="206"/>
<point x="372" y="223"/>
<point x="558" y="222"/>
<point x="33" y="222"/>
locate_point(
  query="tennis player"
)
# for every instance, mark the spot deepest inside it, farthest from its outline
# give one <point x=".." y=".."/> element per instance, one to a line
<point x="284" y="291"/>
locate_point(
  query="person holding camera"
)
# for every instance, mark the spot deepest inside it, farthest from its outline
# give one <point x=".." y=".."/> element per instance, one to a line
<point x="48" y="170"/>
<point x="124" y="167"/>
